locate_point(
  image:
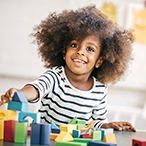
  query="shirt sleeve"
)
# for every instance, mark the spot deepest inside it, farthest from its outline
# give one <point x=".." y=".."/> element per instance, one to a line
<point x="43" y="84"/>
<point x="99" y="113"/>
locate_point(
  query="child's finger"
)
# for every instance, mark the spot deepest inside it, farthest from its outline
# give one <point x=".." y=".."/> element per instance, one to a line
<point x="116" y="127"/>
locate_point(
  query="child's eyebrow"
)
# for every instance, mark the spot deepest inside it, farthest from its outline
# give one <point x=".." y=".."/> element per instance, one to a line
<point x="93" y="44"/>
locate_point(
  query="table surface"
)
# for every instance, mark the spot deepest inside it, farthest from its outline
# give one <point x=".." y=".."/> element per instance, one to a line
<point x="123" y="138"/>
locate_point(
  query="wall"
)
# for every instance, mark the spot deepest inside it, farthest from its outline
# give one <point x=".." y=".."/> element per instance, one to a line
<point x="20" y="62"/>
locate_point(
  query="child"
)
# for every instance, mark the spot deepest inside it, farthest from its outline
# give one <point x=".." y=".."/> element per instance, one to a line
<point x="84" y="52"/>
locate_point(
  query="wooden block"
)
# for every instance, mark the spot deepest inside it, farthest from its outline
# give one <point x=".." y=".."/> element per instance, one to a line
<point x="81" y="122"/>
<point x="1" y="129"/>
<point x="91" y="124"/>
<point x="19" y="96"/>
<point x="76" y="133"/>
<point x="64" y="136"/>
<point x="138" y="142"/>
<point x="110" y="138"/>
<point x="9" y="130"/>
<point x="99" y="143"/>
<point x="45" y="133"/>
<point x="82" y="140"/>
<point x="68" y="128"/>
<point x="20" y="132"/>
<point x="18" y="106"/>
<point x="62" y="143"/>
<point x="55" y="131"/>
<point x="35" y="133"/>
<point x="106" y="131"/>
<point x="53" y="136"/>
<point x="54" y="126"/>
<point x="73" y="121"/>
<point x="9" y="114"/>
<point x="79" y="126"/>
<point x="34" y="116"/>
<point x="96" y="135"/>
<point x="28" y="130"/>
<point x="87" y="136"/>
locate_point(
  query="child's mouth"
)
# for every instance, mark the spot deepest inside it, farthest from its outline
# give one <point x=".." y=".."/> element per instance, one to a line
<point x="79" y="61"/>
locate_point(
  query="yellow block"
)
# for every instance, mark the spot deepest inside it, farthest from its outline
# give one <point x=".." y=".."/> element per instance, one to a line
<point x="9" y="114"/>
<point x="64" y="136"/>
<point x="68" y="128"/>
<point x="109" y="138"/>
<point x="1" y="129"/>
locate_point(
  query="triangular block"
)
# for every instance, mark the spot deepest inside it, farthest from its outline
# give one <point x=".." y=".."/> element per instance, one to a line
<point x="54" y="126"/>
<point x="73" y="121"/>
<point x="91" y="124"/>
<point x="64" y="136"/>
<point x="19" y="96"/>
<point x="109" y="138"/>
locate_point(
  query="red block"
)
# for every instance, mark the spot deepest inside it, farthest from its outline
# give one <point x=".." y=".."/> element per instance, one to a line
<point x="138" y="142"/>
<point x="87" y="136"/>
<point x="28" y="130"/>
<point x="9" y="130"/>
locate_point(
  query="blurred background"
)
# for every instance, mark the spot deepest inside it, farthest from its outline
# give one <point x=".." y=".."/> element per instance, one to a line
<point x="20" y="63"/>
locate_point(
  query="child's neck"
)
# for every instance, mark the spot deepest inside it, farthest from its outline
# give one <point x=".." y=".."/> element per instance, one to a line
<point x="81" y="82"/>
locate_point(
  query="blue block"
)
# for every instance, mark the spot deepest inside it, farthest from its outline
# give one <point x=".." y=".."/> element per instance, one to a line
<point x="55" y="130"/>
<point x="19" y="96"/>
<point x="45" y="134"/>
<point x="76" y="133"/>
<point x="53" y="126"/>
<point x="99" y="143"/>
<point x="35" y="133"/>
<point x="18" y="106"/>
<point x="40" y="133"/>
<point x="34" y="116"/>
<point x="106" y="131"/>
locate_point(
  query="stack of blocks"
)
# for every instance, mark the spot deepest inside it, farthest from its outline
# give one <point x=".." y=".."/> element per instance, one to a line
<point x="16" y="131"/>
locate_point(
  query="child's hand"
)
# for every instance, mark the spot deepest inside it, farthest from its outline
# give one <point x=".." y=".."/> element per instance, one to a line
<point x="8" y="96"/>
<point x="119" y="126"/>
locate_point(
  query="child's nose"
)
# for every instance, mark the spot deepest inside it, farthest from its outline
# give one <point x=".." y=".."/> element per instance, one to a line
<point x="81" y="52"/>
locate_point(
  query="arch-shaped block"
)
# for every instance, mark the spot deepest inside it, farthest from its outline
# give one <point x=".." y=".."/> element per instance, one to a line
<point x="34" y="116"/>
<point x="9" y="114"/>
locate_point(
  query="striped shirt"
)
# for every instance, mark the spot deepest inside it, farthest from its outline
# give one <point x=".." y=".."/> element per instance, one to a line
<point x="61" y="102"/>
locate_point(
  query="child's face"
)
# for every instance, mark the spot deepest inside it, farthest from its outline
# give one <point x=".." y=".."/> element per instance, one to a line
<point x="83" y="57"/>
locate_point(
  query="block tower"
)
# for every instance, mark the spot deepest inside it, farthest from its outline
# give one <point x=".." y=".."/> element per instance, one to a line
<point x="16" y="131"/>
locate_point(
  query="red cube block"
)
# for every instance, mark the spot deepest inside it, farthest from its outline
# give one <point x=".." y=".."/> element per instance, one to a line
<point x="9" y="130"/>
<point x="138" y="142"/>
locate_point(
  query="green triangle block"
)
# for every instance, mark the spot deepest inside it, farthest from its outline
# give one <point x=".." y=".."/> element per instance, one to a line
<point x="73" y="121"/>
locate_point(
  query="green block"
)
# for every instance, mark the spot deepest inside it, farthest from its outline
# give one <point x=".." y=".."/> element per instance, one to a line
<point x="81" y="122"/>
<point x="73" y="121"/>
<point x="82" y="140"/>
<point x="79" y="126"/>
<point x="20" y="132"/>
<point x="63" y="143"/>
<point x="97" y="135"/>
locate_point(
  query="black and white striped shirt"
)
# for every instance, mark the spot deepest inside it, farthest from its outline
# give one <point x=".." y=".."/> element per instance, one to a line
<point x="61" y="102"/>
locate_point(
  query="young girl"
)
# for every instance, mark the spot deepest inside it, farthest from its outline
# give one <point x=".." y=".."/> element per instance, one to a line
<point x="84" y="52"/>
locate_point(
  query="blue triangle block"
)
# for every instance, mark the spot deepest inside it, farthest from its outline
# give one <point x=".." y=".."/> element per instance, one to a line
<point x="53" y="126"/>
<point x="19" y="97"/>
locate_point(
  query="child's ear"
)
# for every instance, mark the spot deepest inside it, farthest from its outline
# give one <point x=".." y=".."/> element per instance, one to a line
<point x="99" y="62"/>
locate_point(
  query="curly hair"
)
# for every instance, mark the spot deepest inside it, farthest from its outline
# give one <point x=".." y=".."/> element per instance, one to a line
<point x="54" y="34"/>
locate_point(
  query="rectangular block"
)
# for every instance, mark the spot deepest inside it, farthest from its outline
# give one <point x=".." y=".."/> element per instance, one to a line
<point x="1" y="129"/>
<point x="45" y="134"/>
<point x="62" y="143"/>
<point x="106" y="131"/>
<point x="20" y="132"/>
<point x="76" y="133"/>
<point x="79" y="126"/>
<point x="8" y="114"/>
<point x="9" y="130"/>
<point x="138" y="142"/>
<point x="18" y="106"/>
<point x="35" y="133"/>
<point x="96" y="135"/>
<point x="82" y="140"/>
<point x="99" y="143"/>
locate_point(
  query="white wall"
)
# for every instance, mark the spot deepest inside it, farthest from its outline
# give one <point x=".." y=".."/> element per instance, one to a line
<point x="20" y="63"/>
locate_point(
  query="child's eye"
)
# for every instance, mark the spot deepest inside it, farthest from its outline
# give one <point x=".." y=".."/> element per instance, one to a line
<point x="74" y="45"/>
<point x="90" y="49"/>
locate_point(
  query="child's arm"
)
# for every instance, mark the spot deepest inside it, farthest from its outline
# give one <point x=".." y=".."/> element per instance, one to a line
<point x="119" y="126"/>
<point x="29" y="91"/>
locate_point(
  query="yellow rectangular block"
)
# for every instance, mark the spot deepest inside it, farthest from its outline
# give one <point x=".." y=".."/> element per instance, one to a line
<point x="68" y="128"/>
<point x="1" y="129"/>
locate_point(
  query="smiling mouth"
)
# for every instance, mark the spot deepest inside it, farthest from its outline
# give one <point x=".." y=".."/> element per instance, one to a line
<point x="79" y="61"/>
